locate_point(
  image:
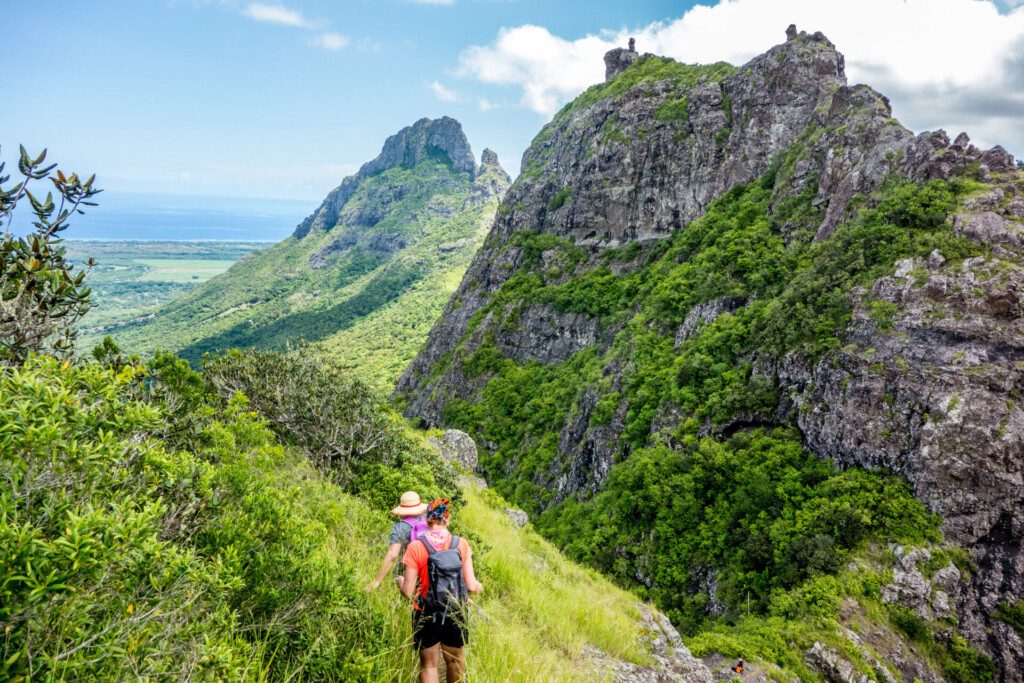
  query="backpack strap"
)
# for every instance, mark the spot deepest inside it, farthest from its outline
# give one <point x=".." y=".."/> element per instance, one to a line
<point x="454" y="545"/>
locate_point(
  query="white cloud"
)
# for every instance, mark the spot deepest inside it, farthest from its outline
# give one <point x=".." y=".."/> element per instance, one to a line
<point x="276" y="14"/>
<point x="442" y="93"/>
<point x="484" y="104"/>
<point x="943" y="63"/>
<point x="331" y="41"/>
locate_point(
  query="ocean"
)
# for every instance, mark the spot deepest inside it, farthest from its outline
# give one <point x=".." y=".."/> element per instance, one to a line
<point x="144" y="216"/>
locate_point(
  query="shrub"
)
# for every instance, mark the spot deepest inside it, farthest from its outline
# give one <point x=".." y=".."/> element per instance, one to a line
<point x="335" y="419"/>
<point x="559" y="199"/>
<point x="41" y="295"/>
<point x="122" y="555"/>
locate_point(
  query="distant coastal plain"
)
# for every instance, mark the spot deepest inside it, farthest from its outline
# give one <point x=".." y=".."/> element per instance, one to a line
<point x="133" y="278"/>
<point x="152" y="248"/>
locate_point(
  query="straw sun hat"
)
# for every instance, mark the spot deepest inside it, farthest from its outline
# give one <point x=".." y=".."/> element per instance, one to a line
<point x="409" y="505"/>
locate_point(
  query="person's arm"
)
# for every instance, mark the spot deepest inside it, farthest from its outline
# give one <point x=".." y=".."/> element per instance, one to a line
<point x="411" y="581"/>
<point x="472" y="585"/>
<point x="385" y="566"/>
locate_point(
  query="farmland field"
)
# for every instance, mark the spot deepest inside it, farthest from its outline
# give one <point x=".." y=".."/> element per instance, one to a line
<point x="132" y="279"/>
<point x="182" y="270"/>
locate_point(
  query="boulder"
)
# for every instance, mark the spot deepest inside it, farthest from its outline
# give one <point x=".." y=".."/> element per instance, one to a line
<point x="457" y="446"/>
<point x="831" y="665"/>
<point x="517" y="517"/>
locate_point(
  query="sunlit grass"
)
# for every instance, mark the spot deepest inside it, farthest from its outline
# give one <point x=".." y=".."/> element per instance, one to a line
<point x="538" y="610"/>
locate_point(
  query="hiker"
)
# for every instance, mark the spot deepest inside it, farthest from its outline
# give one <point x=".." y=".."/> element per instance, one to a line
<point x="443" y="566"/>
<point x="407" y="529"/>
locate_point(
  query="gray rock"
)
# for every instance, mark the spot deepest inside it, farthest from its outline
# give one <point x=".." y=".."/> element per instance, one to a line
<point x="673" y="662"/>
<point x="517" y="517"/>
<point x="491" y="182"/>
<point x="831" y="665"/>
<point x="702" y="314"/>
<point x="910" y="589"/>
<point x="618" y="60"/>
<point x="990" y="228"/>
<point x="947" y="579"/>
<point x="457" y="446"/>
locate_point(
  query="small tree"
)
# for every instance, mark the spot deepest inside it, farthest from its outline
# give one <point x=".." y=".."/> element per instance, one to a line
<point x="41" y="295"/>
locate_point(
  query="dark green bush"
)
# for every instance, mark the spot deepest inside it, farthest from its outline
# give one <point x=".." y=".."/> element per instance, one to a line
<point x="337" y="420"/>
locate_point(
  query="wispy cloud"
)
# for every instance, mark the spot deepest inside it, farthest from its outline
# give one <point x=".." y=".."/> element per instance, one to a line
<point x="293" y="18"/>
<point x="331" y="41"/>
<point x="484" y="104"/>
<point x="442" y="93"/>
<point x="276" y="14"/>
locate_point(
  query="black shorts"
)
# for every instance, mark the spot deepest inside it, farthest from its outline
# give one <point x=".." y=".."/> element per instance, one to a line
<point x="430" y="629"/>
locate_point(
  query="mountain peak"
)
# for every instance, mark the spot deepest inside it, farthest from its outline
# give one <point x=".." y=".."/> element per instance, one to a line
<point x="407" y="147"/>
<point x="413" y="143"/>
<point x="491" y="180"/>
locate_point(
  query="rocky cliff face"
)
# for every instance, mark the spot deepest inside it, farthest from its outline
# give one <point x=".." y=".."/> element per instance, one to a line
<point x="406" y="148"/>
<point x="933" y="393"/>
<point x="923" y="376"/>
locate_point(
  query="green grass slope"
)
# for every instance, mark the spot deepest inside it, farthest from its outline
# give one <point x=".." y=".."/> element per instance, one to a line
<point x="365" y="291"/>
<point x="182" y="536"/>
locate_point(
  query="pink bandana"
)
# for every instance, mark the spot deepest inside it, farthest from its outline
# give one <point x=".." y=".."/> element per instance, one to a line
<point x="437" y="538"/>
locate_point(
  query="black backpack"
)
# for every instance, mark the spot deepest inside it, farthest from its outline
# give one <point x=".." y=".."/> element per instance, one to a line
<point x="446" y="591"/>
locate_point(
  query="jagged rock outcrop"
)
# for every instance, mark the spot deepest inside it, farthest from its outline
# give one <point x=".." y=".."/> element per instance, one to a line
<point x="407" y="147"/>
<point x="517" y="517"/>
<point x="618" y="60"/>
<point x="932" y="393"/>
<point x="491" y="180"/>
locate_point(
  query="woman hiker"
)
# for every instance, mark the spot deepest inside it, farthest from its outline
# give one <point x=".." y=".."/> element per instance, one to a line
<point x="407" y="529"/>
<point x="442" y="565"/>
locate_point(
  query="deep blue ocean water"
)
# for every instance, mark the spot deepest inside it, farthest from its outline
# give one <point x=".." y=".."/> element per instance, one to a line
<point x="138" y="216"/>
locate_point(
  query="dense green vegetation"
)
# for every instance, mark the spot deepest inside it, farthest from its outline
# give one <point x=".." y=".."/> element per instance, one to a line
<point x="700" y="519"/>
<point x="365" y="292"/>
<point x="182" y="534"/>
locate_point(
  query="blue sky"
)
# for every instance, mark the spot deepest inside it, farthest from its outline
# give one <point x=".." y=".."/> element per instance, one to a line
<point x="199" y="98"/>
<point x="283" y="99"/>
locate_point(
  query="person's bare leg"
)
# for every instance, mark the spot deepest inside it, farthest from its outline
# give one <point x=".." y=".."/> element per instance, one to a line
<point x="428" y="664"/>
<point x="455" y="663"/>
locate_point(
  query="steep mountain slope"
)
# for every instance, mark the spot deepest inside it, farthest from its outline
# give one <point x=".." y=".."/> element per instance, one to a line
<point x="365" y="275"/>
<point x="704" y="276"/>
<point x="183" y="537"/>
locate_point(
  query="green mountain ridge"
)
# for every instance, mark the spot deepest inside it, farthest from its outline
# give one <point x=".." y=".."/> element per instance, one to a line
<point x="362" y="278"/>
<point x="692" y="352"/>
